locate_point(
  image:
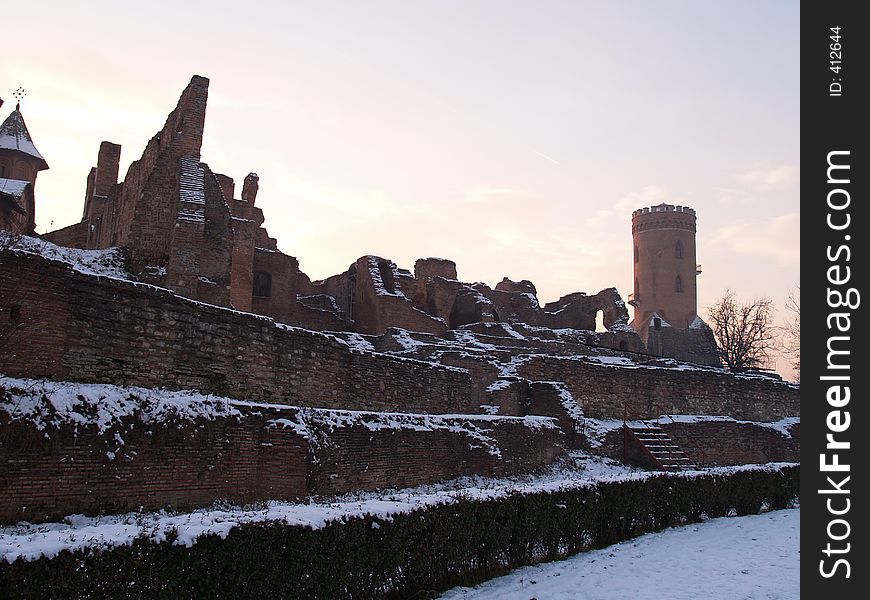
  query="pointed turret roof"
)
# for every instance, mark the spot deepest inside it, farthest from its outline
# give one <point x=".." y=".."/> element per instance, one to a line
<point x="14" y="136"/>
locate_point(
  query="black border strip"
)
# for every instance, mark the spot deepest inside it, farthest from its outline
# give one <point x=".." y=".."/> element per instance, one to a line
<point x="834" y="105"/>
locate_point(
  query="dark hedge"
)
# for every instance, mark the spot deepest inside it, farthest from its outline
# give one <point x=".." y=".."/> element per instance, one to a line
<point x="413" y="556"/>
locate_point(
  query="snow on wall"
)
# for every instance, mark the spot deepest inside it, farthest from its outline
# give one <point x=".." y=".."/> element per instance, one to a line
<point x="191" y="191"/>
<point x="478" y="428"/>
<point x="55" y="403"/>
<point x="105" y="263"/>
<point x="783" y="426"/>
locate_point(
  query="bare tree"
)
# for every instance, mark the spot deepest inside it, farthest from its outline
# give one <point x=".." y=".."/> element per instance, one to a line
<point x="744" y="332"/>
<point x="792" y="329"/>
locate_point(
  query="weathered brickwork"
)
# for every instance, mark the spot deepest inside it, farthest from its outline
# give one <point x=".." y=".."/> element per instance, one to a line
<point x="61" y="470"/>
<point x="717" y="443"/>
<point x="117" y="332"/>
<point x="605" y="391"/>
<point x="724" y="443"/>
<point x="180" y="464"/>
<point x="357" y="458"/>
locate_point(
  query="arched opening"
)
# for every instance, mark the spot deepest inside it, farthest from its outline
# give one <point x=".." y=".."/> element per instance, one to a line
<point x="599" y="321"/>
<point x="678" y="285"/>
<point x="385" y="269"/>
<point x="262" y="284"/>
<point x="678" y="249"/>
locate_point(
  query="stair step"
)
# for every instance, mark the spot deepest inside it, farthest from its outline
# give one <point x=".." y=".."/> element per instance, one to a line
<point x="663" y="450"/>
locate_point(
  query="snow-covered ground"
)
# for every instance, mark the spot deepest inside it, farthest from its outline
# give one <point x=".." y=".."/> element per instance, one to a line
<point x="738" y="558"/>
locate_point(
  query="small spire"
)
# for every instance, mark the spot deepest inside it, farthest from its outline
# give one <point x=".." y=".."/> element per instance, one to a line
<point x="19" y="95"/>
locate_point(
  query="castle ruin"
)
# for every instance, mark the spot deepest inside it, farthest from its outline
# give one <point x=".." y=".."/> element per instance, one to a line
<point x="371" y="378"/>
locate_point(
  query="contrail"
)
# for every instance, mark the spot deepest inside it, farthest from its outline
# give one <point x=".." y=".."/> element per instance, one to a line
<point x="550" y="158"/>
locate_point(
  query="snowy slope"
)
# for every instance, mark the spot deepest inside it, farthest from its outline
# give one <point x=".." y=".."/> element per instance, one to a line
<point x="739" y="558"/>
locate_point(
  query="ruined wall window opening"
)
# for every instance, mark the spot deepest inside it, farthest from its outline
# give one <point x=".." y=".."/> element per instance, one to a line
<point x="351" y="293"/>
<point x="678" y="285"/>
<point x="678" y="249"/>
<point x="599" y="322"/>
<point x="386" y="272"/>
<point x="262" y="284"/>
<point x="15" y="314"/>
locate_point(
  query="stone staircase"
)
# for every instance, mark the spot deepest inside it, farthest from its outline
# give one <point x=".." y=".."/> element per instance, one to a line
<point x="658" y="448"/>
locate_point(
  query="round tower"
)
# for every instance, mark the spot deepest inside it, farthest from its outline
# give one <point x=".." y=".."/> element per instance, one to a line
<point x="664" y="267"/>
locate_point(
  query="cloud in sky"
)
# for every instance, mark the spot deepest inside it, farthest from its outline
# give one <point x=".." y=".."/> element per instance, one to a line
<point x="776" y="178"/>
<point x="777" y="238"/>
<point x="484" y="194"/>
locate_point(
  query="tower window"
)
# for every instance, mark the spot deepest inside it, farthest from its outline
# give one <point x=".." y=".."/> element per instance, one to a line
<point x="678" y="286"/>
<point x="657" y="323"/>
<point x="262" y="284"/>
<point x="678" y="249"/>
<point x="636" y="289"/>
<point x="636" y="255"/>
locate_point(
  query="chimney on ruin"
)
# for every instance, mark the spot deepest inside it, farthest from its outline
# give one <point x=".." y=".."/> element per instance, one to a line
<point x="250" y="187"/>
<point x="102" y="179"/>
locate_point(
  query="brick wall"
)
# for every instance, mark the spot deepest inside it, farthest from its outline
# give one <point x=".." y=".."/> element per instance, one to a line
<point x="727" y="443"/>
<point x="109" y="331"/>
<point x="357" y="458"/>
<point x="603" y="391"/>
<point x="59" y="471"/>
<point x="73" y="236"/>
<point x="66" y="469"/>
<point x="718" y="443"/>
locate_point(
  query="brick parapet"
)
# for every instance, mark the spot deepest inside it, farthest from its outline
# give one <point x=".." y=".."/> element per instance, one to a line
<point x="604" y="391"/>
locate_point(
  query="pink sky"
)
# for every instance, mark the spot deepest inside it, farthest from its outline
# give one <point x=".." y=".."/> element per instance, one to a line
<point x="514" y="138"/>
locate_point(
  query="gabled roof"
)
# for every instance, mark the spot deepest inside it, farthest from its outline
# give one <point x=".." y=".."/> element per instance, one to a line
<point x="14" y="136"/>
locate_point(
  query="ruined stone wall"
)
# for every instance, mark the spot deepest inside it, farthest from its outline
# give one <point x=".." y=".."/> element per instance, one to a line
<point x="693" y="345"/>
<point x="143" y="216"/>
<point x="726" y="443"/>
<point x="201" y="241"/>
<point x="718" y="443"/>
<point x="604" y="391"/>
<point x="356" y="458"/>
<point x="262" y="454"/>
<point x="83" y="328"/>
<point x="379" y="301"/>
<point x="73" y="236"/>
<point x="51" y="473"/>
